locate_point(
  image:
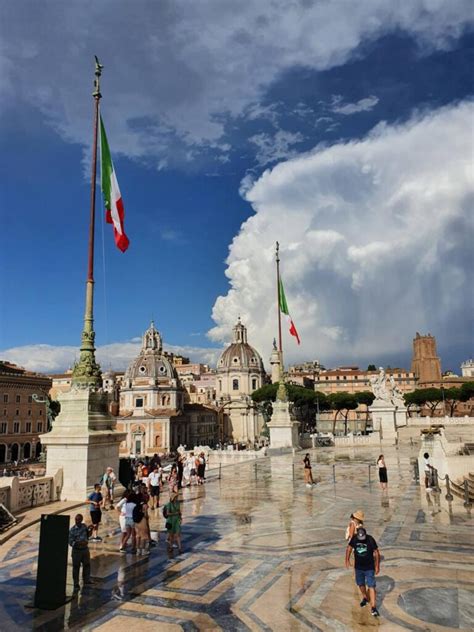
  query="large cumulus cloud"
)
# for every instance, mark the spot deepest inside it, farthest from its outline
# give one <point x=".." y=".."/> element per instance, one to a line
<point x="376" y="242"/>
<point x="175" y="71"/>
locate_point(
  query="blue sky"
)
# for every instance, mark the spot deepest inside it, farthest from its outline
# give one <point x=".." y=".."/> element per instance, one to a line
<point x="348" y="139"/>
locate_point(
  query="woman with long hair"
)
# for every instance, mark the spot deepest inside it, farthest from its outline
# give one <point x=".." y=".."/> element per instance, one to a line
<point x="382" y="472"/>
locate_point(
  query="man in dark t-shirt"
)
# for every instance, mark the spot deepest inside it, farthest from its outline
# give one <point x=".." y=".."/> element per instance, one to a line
<point x="366" y="564"/>
<point x="95" y="501"/>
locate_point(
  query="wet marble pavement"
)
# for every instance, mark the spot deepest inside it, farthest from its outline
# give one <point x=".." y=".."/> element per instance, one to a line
<point x="264" y="552"/>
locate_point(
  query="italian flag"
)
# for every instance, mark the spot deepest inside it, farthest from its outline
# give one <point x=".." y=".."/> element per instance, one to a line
<point x="114" y="213"/>
<point x="284" y="310"/>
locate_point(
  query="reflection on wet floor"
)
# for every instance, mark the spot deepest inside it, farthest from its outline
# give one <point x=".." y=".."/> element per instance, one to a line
<point x="264" y="552"/>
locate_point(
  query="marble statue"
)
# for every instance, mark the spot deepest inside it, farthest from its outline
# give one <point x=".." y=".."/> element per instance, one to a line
<point x="386" y="390"/>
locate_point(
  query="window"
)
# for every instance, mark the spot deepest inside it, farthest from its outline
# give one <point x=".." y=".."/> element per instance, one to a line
<point x="356" y="377"/>
<point x="18" y="399"/>
<point x="5" y="399"/>
<point x="28" y="427"/>
<point x="4" y="412"/>
<point x="235" y="385"/>
<point x="40" y="412"/>
<point x="17" y="412"/>
<point x="345" y="377"/>
<point x="39" y="426"/>
<point x="3" y="427"/>
<point x="29" y="413"/>
<point x="220" y="385"/>
<point x="139" y="402"/>
<point x="16" y="427"/>
<point x="30" y="399"/>
<point x="254" y="383"/>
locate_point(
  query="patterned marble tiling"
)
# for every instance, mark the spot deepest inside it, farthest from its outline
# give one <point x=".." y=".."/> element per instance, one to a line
<point x="263" y="552"/>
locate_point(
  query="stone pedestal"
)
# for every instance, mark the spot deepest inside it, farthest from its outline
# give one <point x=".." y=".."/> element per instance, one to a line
<point x="283" y="430"/>
<point x="401" y="416"/>
<point x="384" y="422"/>
<point x="83" y="442"/>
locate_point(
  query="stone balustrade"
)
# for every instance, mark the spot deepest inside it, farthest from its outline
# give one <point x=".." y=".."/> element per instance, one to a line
<point x="17" y="495"/>
<point x="354" y="440"/>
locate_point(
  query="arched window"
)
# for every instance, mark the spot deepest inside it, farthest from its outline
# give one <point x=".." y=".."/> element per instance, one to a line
<point x="235" y="384"/>
<point x="220" y="385"/>
<point x="254" y="383"/>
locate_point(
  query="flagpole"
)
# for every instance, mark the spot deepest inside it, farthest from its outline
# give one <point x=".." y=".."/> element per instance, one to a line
<point x="280" y="345"/>
<point x="86" y="372"/>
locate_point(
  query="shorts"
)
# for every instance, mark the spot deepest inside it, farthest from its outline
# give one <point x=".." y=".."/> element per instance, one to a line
<point x="365" y="578"/>
<point x="193" y="472"/>
<point x="129" y="524"/>
<point x="154" y="491"/>
<point x="96" y="516"/>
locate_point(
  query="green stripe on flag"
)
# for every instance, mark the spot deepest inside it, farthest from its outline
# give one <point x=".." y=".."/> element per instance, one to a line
<point x="107" y="167"/>
<point x="282" y="298"/>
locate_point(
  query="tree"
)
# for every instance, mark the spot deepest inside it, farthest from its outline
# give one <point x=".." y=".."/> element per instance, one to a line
<point x="366" y="398"/>
<point x="452" y="396"/>
<point x="342" y="403"/>
<point x="429" y="397"/>
<point x="414" y="398"/>
<point x="467" y="391"/>
<point x="371" y="367"/>
<point x="305" y="402"/>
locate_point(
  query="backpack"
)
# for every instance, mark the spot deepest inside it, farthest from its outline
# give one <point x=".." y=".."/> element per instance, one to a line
<point x="165" y="511"/>
<point x="137" y="514"/>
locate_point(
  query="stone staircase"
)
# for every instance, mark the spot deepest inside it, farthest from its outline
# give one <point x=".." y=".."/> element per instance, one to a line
<point x="457" y="488"/>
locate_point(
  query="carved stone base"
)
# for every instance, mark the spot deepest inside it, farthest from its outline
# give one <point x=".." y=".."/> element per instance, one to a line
<point x="384" y="422"/>
<point x="283" y="431"/>
<point x="83" y="442"/>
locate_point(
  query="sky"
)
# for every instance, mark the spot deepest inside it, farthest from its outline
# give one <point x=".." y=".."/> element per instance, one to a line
<point x="342" y="130"/>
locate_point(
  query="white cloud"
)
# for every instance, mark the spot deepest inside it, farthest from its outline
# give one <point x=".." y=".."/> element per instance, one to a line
<point x="376" y="243"/>
<point x="363" y="105"/>
<point x="56" y="359"/>
<point x="176" y="70"/>
<point x="276" y="147"/>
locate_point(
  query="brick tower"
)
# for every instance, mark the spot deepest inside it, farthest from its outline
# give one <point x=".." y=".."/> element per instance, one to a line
<point x="425" y="363"/>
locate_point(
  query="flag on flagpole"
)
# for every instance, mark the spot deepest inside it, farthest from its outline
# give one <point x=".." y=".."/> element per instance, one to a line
<point x="114" y="212"/>
<point x="284" y="310"/>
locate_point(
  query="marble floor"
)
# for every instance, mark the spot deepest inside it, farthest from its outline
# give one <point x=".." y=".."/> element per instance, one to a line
<point x="264" y="552"/>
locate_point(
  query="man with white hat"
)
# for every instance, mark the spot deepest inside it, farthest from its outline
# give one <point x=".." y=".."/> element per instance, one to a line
<point x="366" y="564"/>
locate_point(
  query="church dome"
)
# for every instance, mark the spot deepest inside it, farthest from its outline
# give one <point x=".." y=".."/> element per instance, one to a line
<point x="239" y="355"/>
<point x="151" y="362"/>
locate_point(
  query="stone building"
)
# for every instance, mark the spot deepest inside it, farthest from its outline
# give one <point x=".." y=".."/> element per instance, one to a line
<point x="22" y="419"/>
<point x="353" y="380"/>
<point x="151" y="403"/>
<point x="425" y="364"/>
<point x="240" y="371"/>
<point x="467" y="368"/>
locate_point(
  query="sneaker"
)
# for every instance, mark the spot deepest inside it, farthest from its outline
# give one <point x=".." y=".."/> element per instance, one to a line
<point x="364" y="602"/>
<point x="308" y="485"/>
<point x="122" y="550"/>
<point x="374" y="612"/>
<point x="97" y="539"/>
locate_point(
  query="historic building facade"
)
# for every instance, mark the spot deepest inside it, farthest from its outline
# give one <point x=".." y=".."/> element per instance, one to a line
<point x="425" y="364"/>
<point x="240" y="371"/>
<point x="22" y="419"/>
<point x="151" y="401"/>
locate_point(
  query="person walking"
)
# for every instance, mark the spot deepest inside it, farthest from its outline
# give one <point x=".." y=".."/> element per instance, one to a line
<point x="95" y="501"/>
<point x="308" y="472"/>
<point x="367" y="566"/>
<point x="172" y="514"/>
<point x="356" y="520"/>
<point x="125" y="507"/>
<point x="173" y="480"/>
<point x="142" y="532"/>
<point x="78" y="541"/>
<point x="154" y="481"/>
<point x="382" y="472"/>
<point x="108" y="484"/>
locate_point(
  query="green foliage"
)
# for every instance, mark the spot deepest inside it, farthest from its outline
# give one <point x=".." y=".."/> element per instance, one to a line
<point x="341" y="402"/>
<point x="467" y="391"/>
<point x="451" y="398"/>
<point x="365" y="397"/>
<point x="371" y="367"/>
<point x="305" y="402"/>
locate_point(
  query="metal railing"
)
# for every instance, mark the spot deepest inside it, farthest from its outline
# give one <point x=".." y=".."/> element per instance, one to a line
<point x="464" y="491"/>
